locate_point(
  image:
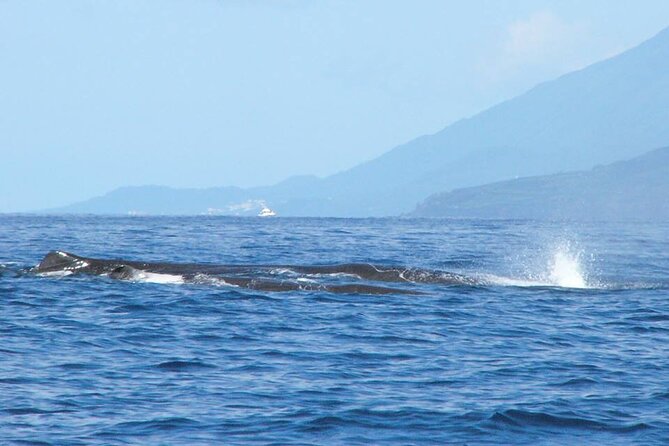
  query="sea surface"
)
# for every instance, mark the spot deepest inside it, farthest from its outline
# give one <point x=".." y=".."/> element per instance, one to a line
<point x="561" y="337"/>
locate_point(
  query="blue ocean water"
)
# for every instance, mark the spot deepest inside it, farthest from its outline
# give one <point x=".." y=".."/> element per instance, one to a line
<point x="565" y="339"/>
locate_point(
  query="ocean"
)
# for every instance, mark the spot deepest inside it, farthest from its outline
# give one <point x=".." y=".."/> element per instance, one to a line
<point x="558" y="335"/>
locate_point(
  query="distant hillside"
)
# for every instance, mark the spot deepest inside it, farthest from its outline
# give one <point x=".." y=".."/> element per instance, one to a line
<point x="609" y="111"/>
<point x="161" y="200"/>
<point x="637" y="189"/>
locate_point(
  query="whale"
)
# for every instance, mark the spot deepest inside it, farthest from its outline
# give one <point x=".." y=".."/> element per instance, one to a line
<point x="358" y="278"/>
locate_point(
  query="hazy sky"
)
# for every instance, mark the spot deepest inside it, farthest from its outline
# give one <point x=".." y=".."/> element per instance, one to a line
<point x="98" y="94"/>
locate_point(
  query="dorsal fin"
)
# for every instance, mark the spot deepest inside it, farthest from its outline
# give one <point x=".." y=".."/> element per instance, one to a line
<point x="57" y="261"/>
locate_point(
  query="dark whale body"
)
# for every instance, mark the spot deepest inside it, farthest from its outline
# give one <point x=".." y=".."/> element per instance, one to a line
<point x="259" y="277"/>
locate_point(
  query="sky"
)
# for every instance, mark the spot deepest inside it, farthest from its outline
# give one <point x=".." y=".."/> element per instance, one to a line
<point x="99" y="94"/>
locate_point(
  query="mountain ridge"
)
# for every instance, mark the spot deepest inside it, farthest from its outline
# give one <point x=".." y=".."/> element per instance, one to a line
<point x="611" y="110"/>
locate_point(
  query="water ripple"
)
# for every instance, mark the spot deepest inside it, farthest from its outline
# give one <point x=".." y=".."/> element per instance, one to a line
<point x="97" y="361"/>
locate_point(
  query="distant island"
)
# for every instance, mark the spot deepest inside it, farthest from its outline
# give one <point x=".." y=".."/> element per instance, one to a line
<point x="610" y="111"/>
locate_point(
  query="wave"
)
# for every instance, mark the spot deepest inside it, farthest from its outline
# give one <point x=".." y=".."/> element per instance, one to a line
<point x="183" y="366"/>
<point x="149" y="427"/>
<point x="523" y="418"/>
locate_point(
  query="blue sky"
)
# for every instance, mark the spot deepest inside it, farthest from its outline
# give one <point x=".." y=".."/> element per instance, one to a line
<point x="99" y="94"/>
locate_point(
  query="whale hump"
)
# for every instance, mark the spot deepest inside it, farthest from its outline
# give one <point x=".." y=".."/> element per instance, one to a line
<point x="58" y="261"/>
<point x="123" y="272"/>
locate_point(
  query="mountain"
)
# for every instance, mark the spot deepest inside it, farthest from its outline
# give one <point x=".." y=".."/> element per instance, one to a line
<point x="162" y="200"/>
<point x="626" y="190"/>
<point x="609" y="111"/>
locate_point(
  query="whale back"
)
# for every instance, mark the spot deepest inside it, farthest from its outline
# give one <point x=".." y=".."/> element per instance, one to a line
<point x="358" y="278"/>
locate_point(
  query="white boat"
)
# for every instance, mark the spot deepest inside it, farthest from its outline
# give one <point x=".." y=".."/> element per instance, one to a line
<point x="266" y="212"/>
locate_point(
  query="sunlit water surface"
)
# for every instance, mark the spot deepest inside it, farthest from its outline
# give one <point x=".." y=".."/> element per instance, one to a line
<point x="564" y="341"/>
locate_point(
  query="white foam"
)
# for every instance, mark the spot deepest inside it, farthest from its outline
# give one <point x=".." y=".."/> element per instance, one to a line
<point x="510" y="281"/>
<point x="565" y="269"/>
<point x="143" y="276"/>
<point x="61" y="273"/>
<point x="562" y="267"/>
<point x="205" y="279"/>
<point x="335" y="275"/>
<point x="282" y="271"/>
